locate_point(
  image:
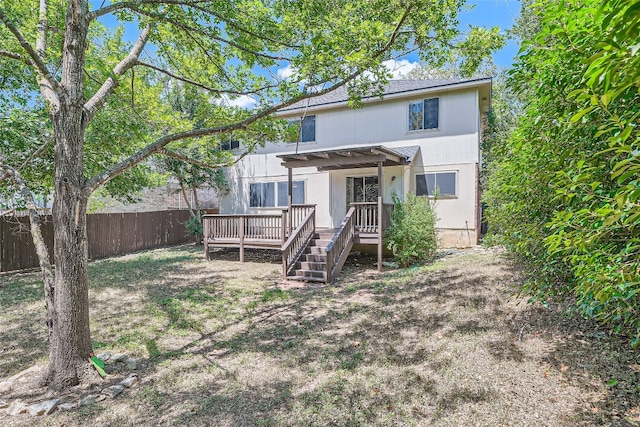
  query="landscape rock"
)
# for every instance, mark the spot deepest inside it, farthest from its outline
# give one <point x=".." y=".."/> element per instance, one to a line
<point x="16" y="407"/>
<point x="113" y="391"/>
<point x="390" y="264"/>
<point x="64" y="407"/>
<point x="101" y="397"/>
<point x="88" y="400"/>
<point x="120" y="358"/>
<point x="3" y="404"/>
<point x="130" y="380"/>
<point x="131" y="364"/>
<point x="104" y="356"/>
<point x="43" y="408"/>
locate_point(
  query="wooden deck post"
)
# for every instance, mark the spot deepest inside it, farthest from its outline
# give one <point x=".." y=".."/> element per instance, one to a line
<point x="290" y="197"/>
<point x="241" y="233"/>
<point x="380" y="193"/>
<point x="283" y="226"/>
<point x="205" y="238"/>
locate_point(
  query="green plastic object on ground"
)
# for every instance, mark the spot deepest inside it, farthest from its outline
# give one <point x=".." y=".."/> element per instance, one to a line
<point x="98" y="364"/>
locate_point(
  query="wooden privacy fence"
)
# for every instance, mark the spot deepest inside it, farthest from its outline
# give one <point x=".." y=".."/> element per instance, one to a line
<point x="108" y="235"/>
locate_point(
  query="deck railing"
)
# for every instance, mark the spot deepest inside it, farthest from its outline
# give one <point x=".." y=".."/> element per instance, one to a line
<point x="265" y="227"/>
<point x="366" y="216"/>
<point x="298" y="241"/>
<point x="340" y="245"/>
<point x="298" y="213"/>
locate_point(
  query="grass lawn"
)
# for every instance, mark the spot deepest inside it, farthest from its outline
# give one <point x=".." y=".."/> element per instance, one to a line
<point x="219" y="343"/>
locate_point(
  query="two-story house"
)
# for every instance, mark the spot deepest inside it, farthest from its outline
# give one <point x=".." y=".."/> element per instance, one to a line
<point x="422" y="136"/>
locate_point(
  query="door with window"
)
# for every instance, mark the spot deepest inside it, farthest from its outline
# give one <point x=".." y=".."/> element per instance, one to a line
<point x="362" y="189"/>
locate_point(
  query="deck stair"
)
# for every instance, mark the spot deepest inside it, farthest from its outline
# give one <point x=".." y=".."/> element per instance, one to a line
<point x="312" y="264"/>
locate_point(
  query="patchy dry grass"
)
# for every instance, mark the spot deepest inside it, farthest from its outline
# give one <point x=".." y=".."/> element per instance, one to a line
<point x="224" y="343"/>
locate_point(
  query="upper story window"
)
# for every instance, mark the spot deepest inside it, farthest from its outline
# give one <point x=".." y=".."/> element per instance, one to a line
<point x="442" y="184"/>
<point x="229" y="145"/>
<point x="307" y="132"/>
<point x="424" y="114"/>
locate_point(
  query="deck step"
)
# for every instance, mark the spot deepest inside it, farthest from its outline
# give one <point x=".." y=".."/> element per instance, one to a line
<point x="306" y="279"/>
<point x="315" y="257"/>
<point x="319" y="242"/>
<point x="311" y="265"/>
<point x="307" y="274"/>
<point x="316" y="250"/>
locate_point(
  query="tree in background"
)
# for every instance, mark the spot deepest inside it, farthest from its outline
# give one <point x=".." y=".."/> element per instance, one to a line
<point x="106" y="105"/>
<point x="564" y="191"/>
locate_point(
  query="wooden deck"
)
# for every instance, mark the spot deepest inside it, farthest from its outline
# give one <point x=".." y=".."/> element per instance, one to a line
<point x="293" y="233"/>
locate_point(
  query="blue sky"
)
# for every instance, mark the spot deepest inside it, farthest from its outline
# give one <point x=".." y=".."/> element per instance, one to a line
<point x="489" y="13"/>
<point x="486" y="13"/>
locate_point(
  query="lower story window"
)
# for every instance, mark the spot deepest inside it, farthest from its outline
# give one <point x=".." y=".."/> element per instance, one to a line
<point x="266" y="194"/>
<point x="442" y="184"/>
<point x="262" y="195"/>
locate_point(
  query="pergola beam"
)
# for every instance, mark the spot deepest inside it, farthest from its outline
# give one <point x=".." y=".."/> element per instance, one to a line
<point x="335" y="161"/>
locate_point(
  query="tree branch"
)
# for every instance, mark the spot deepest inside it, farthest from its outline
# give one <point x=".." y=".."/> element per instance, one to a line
<point x="100" y="97"/>
<point x="160" y="144"/>
<point x="36" y="235"/>
<point x="190" y="29"/>
<point x="14" y="55"/>
<point x="131" y="5"/>
<point x="49" y="86"/>
<point x="43" y="23"/>
<point x="187" y="159"/>
<point x="200" y="85"/>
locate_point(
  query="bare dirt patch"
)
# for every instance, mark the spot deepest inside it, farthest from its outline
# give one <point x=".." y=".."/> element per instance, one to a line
<point x="223" y="343"/>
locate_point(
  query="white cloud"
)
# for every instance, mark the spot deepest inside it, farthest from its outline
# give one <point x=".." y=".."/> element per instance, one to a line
<point x="399" y="67"/>
<point x="243" y="101"/>
<point x="287" y="72"/>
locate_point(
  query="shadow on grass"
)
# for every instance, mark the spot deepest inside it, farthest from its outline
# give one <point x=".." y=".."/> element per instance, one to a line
<point x="385" y="349"/>
<point x="365" y="342"/>
<point x="587" y="357"/>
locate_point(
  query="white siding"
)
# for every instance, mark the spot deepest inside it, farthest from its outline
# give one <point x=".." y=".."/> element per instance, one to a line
<point x="453" y="147"/>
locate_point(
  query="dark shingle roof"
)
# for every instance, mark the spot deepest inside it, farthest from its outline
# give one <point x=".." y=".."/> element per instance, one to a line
<point x="408" y="152"/>
<point x="394" y="87"/>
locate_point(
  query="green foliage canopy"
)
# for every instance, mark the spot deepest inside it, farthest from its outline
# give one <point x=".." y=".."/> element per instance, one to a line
<point x="564" y="194"/>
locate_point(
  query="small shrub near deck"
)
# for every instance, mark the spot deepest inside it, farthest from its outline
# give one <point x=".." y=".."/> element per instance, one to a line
<point x="412" y="235"/>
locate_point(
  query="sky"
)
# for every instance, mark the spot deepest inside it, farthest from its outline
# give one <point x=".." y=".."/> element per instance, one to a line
<point x="489" y="13"/>
<point x="486" y="13"/>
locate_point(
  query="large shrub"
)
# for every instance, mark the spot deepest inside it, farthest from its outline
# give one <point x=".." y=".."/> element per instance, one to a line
<point x="412" y="235"/>
<point x="564" y="187"/>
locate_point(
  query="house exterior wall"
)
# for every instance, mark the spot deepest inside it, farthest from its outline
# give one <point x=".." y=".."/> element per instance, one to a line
<point x="453" y="147"/>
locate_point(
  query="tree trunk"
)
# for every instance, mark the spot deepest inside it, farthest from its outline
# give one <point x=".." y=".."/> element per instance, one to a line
<point x="71" y="340"/>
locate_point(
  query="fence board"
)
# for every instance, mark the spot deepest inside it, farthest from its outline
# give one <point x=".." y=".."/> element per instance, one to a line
<point x="108" y="235"/>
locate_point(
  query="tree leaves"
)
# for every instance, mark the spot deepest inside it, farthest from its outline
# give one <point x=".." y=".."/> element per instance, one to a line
<point x="579" y="138"/>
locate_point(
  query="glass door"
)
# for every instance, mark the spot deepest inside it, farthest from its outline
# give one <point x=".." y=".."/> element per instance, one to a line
<point x="362" y="189"/>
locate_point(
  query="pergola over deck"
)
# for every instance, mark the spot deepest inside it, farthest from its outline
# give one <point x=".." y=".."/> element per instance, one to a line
<point x="350" y="158"/>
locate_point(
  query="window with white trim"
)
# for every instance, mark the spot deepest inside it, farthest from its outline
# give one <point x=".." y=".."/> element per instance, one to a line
<point x="274" y="194"/>
<point x="424" y="114"/>
<point x="442" y="184"/>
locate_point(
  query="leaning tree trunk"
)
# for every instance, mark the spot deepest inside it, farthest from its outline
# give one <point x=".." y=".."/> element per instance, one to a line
<point x="71" y="340"/>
